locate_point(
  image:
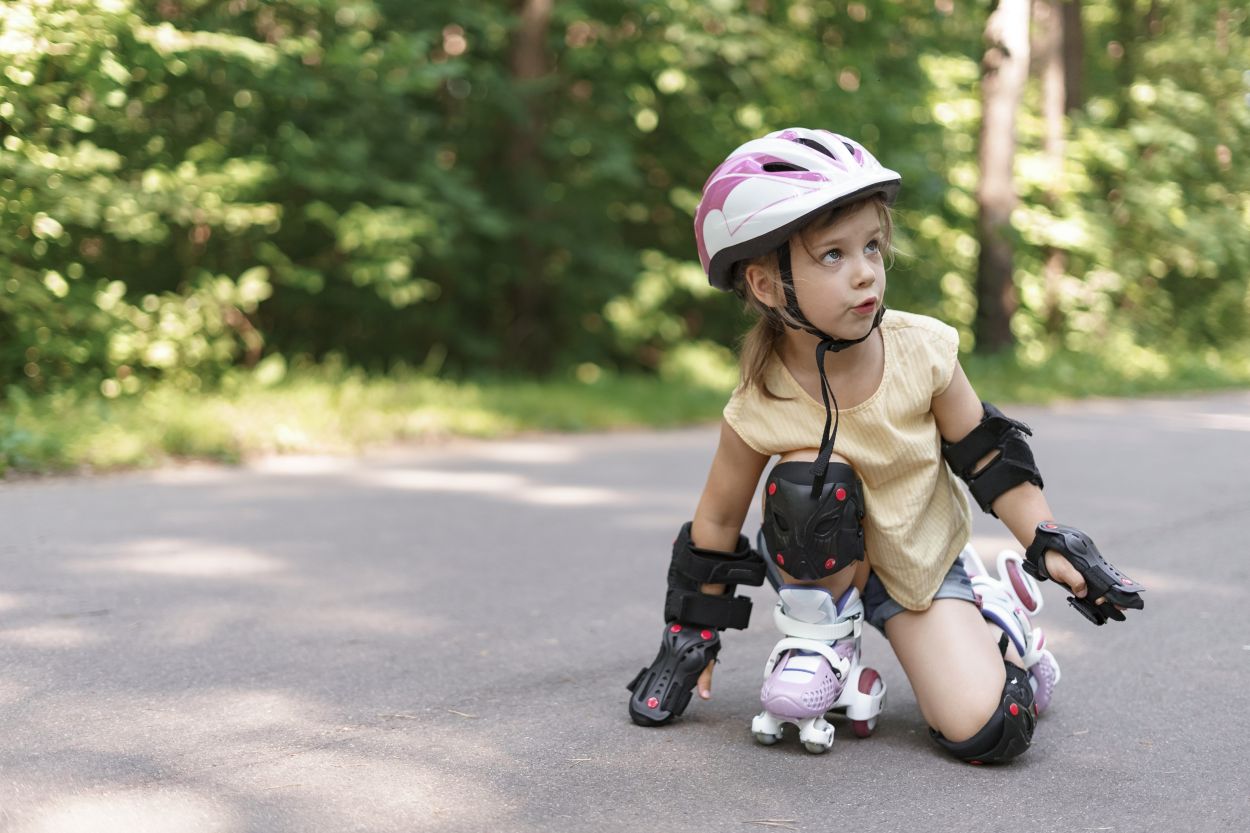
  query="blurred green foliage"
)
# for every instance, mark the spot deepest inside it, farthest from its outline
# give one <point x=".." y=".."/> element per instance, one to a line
<point x="188" y="187"/>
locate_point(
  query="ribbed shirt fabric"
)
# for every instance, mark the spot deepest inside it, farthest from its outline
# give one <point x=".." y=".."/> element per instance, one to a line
<point x="916" y="517"/>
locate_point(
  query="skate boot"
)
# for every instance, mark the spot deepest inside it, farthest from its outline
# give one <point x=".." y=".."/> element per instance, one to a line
<point x="815" y="669"/>
<point x="1009" y="601"/>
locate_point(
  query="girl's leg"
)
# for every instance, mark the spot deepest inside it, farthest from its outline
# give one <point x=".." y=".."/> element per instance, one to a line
<point x="815" y="667"/>
<point x="954" y="667"/>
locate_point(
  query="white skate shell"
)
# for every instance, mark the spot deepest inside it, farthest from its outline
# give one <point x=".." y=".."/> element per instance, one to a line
<point x="1008" y="601"/>
<point x="812" y="623"/>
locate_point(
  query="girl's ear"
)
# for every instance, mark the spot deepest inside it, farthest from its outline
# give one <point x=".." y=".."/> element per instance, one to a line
<point x="764" y="286"/>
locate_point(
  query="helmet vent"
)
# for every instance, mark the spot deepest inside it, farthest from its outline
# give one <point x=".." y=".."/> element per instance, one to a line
<point x="814" y="145"/>
<point x="776" y="167"/>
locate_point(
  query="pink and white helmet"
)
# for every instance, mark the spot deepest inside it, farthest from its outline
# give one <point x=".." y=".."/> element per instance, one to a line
<point x="770" y="187"/>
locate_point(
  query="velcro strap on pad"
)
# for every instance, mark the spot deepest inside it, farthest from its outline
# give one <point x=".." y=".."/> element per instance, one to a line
<point x="704" y="566"/>
<point x="703" y="610"/>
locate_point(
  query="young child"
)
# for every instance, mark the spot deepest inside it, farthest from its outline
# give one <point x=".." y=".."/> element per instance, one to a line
<point x="871" y="439"/>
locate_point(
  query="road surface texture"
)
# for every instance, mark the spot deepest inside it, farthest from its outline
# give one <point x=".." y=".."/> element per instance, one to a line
<point x="438" y="639"/>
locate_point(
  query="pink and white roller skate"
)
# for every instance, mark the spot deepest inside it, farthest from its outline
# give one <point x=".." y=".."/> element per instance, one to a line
<point x="1009" y="601"/>
<point x="815" y="669"/>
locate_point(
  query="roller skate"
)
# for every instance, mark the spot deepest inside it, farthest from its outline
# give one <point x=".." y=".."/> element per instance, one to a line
<point x="815" y="670"/>
<point x="1009" y="601"/>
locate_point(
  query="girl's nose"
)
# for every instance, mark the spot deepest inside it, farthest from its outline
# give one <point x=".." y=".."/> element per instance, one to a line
<point x="865" y="275"/>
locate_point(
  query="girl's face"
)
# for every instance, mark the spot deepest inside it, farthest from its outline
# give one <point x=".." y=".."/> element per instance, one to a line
<point x="841" y="289"/>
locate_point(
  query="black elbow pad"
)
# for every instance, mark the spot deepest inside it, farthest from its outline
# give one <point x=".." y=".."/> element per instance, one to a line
<point x="1012" y="465"/>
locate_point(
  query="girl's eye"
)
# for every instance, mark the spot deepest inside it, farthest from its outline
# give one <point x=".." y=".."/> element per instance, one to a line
<point x="832" y="256"/>
<point x="873" y="246"/>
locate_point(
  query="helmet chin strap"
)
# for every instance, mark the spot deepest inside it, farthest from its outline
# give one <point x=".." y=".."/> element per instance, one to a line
<point x="828" y="344"/>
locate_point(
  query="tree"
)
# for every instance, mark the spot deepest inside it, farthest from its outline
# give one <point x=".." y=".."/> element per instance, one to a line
<point x="1049" y="53"/>
<point x="1005" y="68"/>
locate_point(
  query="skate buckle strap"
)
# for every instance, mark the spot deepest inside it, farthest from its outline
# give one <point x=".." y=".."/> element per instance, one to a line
<point x="840" y="664"/>
<point x="1102" y="579"/>
<point x="830" y="632"/>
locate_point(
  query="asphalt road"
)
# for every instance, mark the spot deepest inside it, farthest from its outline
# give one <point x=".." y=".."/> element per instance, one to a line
<point x="438" y="639"/>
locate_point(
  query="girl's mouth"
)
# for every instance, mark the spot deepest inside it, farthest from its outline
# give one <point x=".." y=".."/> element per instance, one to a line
<point x="865" y="308"/>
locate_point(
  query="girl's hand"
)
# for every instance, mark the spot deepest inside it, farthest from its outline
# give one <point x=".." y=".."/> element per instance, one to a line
<point x="1062" y="571"/>
<point x="704" y="685"/>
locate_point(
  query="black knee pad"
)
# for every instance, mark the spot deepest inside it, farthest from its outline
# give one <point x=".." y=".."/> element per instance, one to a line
<point x="1008" y="732"/>
<point x="810" y="537"/>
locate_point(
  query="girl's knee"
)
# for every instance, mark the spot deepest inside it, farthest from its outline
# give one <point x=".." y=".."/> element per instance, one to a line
<point x="1006" y="732"/>
<point x="974" y="711"/>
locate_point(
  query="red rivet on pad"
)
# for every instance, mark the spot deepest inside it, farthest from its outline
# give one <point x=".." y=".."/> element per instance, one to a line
<point x="1128" y="581"/>
<point x="772" y="488"/>
<point x="675" y="629"/>
<point x="829" y="564"/>
<point x="840" y="494"/>
<point x="706" y="634"/>
<point x="653" y="703"/>
<point x="1015" y="710"/>
<point x="780" y="559"/>
<point x="1050" y="526"/>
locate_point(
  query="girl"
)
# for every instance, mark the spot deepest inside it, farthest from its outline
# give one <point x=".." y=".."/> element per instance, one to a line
<point x="798" y="223"/>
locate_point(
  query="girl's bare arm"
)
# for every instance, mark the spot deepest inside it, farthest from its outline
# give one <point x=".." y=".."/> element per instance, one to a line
<point x="957" y="411"/>
<point x="726" y="499"/>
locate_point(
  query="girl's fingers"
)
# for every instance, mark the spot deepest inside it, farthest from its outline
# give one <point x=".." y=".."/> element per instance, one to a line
<point x="705" y="681"/>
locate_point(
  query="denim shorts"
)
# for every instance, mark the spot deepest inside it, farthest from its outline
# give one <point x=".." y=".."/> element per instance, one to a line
<point x="878" y="606"/>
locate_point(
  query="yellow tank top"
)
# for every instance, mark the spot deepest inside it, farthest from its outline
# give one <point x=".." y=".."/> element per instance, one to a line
<point x="916" y="517"/>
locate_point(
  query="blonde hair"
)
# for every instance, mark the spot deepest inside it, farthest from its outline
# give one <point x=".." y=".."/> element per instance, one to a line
<point x="766" y="335"/>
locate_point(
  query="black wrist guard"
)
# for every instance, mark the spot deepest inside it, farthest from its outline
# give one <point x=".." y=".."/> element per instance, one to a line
<point x="693" y="566"/>
<point x="1102" y="580"/>
<point x="1012" y="466"/>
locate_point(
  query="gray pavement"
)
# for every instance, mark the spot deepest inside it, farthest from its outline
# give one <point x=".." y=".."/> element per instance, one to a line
<point x="438" y="639"/>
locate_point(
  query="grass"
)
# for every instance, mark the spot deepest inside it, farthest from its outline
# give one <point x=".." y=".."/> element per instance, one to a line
<point x="324" y="410"/>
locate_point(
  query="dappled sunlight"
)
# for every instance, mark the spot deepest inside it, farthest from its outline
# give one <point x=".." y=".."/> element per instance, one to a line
<point x="288" y="750"/>
<point x="302" y="464"/>
<point x="53" y="636"/>
<point x="229" y="713"/>
<point x="397" y="786"/>
<point x="1223" y="422"/>
<point x="143" y="810"/>
<point x="192" y="474"/>
<point x="10" y="601"/>
<point x="429" y="480"/>
<point x="529" y="453"/>
<point x="187" y="559"/>
<point x="495" y="484"/>
<point x="192" y="624"/>
<point x="11" y="692"/>
<point x="571" y="496"/>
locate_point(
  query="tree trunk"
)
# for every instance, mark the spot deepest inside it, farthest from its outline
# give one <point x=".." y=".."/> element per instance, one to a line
<point x="1127" y="25"/>
<point x="1073" y="56"/>
<point x="527" y="337"/>
<point x="1049" y="53"/>
<point x="1005" y="69"/>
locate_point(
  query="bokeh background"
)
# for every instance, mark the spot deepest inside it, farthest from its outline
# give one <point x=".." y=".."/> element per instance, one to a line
<point x="406" y="217"/>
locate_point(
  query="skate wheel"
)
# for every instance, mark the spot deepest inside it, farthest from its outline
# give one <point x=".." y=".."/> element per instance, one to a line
<point x="816" y="748"/>
<point x="1023" y="586"/>
<point x="869" y="683"/>
<point x="766" y="739"/>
